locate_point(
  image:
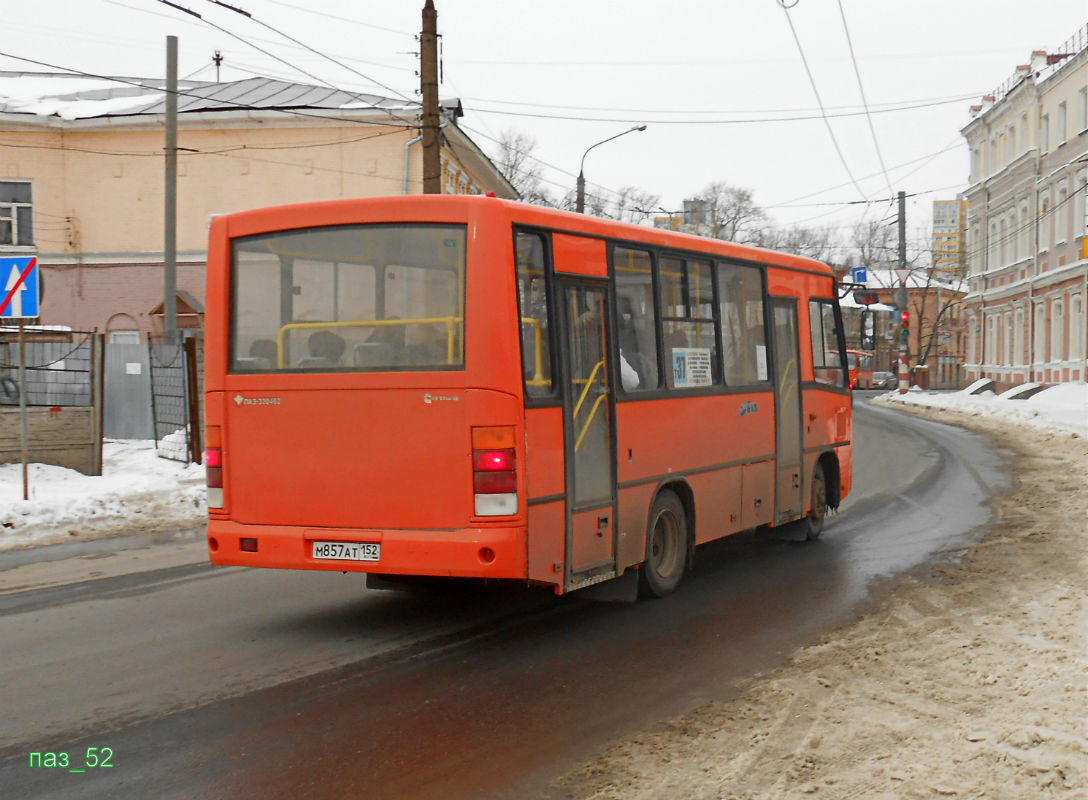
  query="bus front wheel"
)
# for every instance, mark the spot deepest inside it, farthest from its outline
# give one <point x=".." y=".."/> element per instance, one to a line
<point x="666" y="546"/>
<point x="814" y="522"/>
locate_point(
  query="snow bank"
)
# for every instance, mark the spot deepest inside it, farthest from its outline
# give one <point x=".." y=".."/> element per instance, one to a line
<point x="137" y="492"/>
<point x="1063" y="407"/>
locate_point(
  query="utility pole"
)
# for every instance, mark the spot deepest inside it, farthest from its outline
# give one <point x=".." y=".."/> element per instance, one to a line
<point x="170" y="230"/>
<point x="904" y="312"/>
<point x="218" y="59"/>
<point x="428" y="79"/>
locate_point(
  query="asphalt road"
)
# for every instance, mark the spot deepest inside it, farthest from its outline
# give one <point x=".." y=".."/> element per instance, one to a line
<point x="206" y="682"/>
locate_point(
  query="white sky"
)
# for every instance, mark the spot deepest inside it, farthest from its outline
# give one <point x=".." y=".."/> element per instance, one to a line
<point x="631" y="62"/>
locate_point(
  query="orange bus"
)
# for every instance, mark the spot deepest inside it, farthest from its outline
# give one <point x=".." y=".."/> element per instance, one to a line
<point x="860" y="366"/>
<point x="472" y="387"/>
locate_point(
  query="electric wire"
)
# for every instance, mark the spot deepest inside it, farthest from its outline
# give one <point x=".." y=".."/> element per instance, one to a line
<point x="270" y="54"/>
<point x="819" y="100"/>
<point x="187" y="93"/>
<point x="864" y="101"/>
<point x="310" y="49"/>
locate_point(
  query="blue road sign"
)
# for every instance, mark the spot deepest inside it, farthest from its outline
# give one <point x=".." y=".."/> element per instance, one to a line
<point x="859" y="275"/>
<point x="19" y="287"/>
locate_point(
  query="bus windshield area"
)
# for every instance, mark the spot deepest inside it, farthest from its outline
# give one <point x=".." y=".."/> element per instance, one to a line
<point x="349" y="298"/>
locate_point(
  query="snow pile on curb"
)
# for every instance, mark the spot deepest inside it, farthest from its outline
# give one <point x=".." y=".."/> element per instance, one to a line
<point x="1063" y="407"/>
<point x="137" y="492"/>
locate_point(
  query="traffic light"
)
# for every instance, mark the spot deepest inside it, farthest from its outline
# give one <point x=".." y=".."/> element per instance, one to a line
<point x="904" y="324"/>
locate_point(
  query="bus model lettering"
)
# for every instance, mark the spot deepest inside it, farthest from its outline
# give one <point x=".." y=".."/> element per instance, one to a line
<point x="556" y="344"/>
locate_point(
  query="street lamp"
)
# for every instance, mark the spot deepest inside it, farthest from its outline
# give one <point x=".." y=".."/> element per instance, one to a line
<point x="581" y="206"/>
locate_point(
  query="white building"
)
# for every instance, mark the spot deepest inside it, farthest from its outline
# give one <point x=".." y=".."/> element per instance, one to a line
<point x="1027" y="257"/>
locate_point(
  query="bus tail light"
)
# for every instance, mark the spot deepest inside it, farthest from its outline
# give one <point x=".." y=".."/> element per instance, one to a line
<point x="494" y="471"/>
<point x="213" y="466"/>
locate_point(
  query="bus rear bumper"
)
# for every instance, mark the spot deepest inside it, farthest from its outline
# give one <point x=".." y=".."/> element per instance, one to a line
<point x="491" y="552"/>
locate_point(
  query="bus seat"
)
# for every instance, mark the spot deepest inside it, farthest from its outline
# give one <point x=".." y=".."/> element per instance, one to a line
<point x="316" y="362"/>
<point x="372" y="354"/>
<point x="252" y="362"/>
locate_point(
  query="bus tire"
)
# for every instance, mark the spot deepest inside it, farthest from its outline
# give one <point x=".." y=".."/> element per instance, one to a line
<point x="666" y="546"/>
<point x="814" y="522"/>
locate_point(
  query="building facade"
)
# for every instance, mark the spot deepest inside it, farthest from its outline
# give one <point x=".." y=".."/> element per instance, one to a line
<point x="950" y="237"/>
<point x="1027" y="257"/>
<point x="82" y="178"/>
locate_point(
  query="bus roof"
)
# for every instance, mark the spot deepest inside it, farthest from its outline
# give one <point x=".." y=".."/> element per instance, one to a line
<point x="339" y="212"/>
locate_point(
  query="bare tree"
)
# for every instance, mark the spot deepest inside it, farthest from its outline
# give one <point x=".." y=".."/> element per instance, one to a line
<point x="727" y="212"/>
<point x="635" y="205"/>
<point x="517" y="164"/>
<point x="817" y="243"/>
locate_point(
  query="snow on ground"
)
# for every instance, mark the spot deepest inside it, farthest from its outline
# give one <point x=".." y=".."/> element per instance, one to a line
<point x="1063" y="407"/>
<point x="138" y="491"/>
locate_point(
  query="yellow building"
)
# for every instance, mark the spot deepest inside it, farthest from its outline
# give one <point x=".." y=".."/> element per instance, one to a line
<point x="950" y="237"/>
<point x="82" y="177"/>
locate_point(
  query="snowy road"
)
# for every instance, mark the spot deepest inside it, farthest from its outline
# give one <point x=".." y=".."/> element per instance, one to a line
<point x="166" y="660"/>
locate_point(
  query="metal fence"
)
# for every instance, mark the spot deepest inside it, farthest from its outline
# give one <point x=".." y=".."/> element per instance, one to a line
<point x="177" y="386"/>
<point x="57" y="373"/>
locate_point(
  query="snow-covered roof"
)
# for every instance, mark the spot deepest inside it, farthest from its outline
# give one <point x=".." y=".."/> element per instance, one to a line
<point x="44" y="94"/>
<point x="918" y="279"/>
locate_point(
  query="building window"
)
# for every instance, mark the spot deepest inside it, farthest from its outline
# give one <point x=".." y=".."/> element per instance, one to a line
<point x="16" y="214"/>
<point x="1039" y="334"/>
<point x="1061" y="214"/>
<point x="991" y="338"/>
<point x="1057" y="328"/>
<point x="1023" y="249"/>
<point x="1018" y="338"/>
<point x="1082" y="109"/>
<point x="1044" y="223"/>
<point x="1076" y="328"/>
<point x="1044" y="133"/>
<point x="1061" y="132"/>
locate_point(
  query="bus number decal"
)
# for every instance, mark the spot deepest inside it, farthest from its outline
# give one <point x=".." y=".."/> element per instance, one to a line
<point x="748" y="408"/>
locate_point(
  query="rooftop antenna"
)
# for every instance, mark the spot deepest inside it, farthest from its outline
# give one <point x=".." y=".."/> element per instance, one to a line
<point x="218" y="59"/>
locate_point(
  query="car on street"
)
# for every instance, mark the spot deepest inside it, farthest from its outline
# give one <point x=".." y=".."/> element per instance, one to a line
<point x="885" y="380"/>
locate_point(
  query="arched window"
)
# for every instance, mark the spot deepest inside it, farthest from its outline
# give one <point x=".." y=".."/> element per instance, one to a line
<point x="1077" y="343"/>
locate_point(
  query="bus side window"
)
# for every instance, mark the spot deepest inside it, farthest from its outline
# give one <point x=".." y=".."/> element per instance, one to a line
<point x="635" y="317"/>
<point x="536" y="358"/>
<point x="828" y="361"/>
<point x="744" y="342"/>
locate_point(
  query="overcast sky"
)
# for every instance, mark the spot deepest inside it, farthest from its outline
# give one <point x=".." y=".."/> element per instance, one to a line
<point x="572" y="72"/>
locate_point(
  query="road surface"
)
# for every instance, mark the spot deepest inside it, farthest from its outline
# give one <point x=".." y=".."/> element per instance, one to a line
<point x="209" y="682"/>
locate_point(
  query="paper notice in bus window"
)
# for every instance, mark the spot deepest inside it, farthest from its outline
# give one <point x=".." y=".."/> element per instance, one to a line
<point x="691" y="367"/>
<point x="761" y="362"/>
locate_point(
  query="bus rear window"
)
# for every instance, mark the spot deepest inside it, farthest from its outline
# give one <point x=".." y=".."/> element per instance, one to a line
<point x="350" y="298"/>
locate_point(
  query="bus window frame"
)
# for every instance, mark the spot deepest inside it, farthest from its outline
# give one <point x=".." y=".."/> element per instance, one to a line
<point x="286" y="270"/>
<point x="553" y="398"/>
<point x="841" y="338"/>
<point x="718" y="380"/>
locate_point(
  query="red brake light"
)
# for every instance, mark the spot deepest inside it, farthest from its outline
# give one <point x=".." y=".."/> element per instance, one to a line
<point x="493" y="460"/>
<point x="495" y="482"/>
<point x="213" y="467"/>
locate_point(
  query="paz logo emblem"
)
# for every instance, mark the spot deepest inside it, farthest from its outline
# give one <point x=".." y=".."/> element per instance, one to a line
<point x="241" y="400"/>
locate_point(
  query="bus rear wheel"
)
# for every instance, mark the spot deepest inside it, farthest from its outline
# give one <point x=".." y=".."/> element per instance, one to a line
<point x="666" y="546"/>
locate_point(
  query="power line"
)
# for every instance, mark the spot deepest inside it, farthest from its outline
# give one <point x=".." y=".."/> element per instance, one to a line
<point x="184" y="93"/>
<point x="819" y="100"/>
<point x="340" y="19"/>
<point x="311" y="49"/>
<point x="865" y="103"/>
<point x="268" y="53"/>
<point x="748" y="120"/>
<point x="893" y="106"/>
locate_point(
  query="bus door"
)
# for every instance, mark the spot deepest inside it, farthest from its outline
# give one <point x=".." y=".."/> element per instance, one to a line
<point x="787" y="403"/>
<point x="588" y="411"/>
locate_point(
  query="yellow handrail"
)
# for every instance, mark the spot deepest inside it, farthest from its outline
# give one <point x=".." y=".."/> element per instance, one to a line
<point x="585" y="391"/>
<point x="585" y="428"/>
<point x="538" y="371"/>
<point x="449" y="322"/>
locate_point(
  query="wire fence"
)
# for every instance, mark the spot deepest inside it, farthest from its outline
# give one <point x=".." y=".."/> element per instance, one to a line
<point x="57" y="368"/>
<point x="177" y="386"/>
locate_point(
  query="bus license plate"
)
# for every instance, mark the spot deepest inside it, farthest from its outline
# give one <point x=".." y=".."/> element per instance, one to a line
<point x="348" y="551"/>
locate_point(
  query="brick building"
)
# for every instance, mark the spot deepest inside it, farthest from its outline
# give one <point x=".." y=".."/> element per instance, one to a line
<point x="82" y="178"/>
<point x="1027" y="252"/>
